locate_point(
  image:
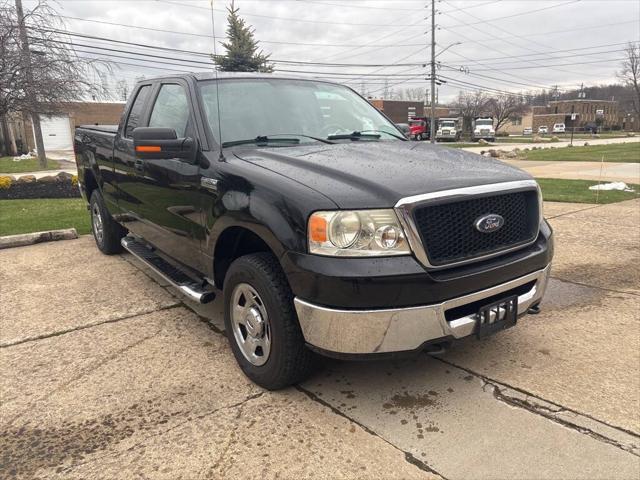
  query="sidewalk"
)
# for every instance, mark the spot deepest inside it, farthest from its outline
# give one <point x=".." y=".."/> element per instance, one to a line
<point x="606" y="171"/>
<point x="507" y="147"/>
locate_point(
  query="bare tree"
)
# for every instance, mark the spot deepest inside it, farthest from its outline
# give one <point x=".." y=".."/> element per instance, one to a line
<point x="37" y="72"/>
<point x="504" y="106"/>
<point x="122" y="90"/>
<point x="471" y="105"/>
<point x="630" y="73"/>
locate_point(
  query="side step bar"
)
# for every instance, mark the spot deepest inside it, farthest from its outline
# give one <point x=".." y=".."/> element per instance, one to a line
<point x="172" y="274"/>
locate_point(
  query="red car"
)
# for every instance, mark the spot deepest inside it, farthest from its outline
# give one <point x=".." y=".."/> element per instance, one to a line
<point x="420" y="128"/>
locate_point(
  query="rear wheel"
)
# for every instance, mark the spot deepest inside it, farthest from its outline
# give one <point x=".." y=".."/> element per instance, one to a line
<point x="106" y="231"/>
<point x="261" y="323"/>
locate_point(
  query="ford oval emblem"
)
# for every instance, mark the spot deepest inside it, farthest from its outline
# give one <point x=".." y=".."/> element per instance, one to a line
<point x="489" y="223"/>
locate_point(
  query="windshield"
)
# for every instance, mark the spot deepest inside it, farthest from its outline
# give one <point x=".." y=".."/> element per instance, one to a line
<point x="448" y="124"/>
<point x="254" y="107"/>
<point x="484" y="122"/>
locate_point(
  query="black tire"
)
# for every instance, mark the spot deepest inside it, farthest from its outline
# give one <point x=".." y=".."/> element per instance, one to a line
<point x="289" y="360"/>
<point x="108" y="241"/>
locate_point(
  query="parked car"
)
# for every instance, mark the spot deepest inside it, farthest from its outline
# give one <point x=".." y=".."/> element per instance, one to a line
<point x="527" y="131"/>
<point x="558" y="128"/>
<point x="325" y="230"/>
<point x="404" y="128"/>
<point x="543" y="129"/>
<point x="420" y="128"/>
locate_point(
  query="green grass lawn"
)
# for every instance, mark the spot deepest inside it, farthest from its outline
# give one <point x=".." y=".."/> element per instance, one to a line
<point x="25" y="216"/>
<point x="577" y="191"/>
<point x="616" y="152"/>
<point x="8" y="166"/>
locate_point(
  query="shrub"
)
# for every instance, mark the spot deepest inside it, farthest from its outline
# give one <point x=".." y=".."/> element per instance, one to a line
<point x="5" y="182"/>
<point x="554" y="139"/>
<point x="74" y="180"/>
<point x="502" y="134"/>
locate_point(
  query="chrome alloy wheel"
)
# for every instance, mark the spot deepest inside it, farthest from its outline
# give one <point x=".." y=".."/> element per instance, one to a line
<point x="96" y="218"/>
<point x="250" y="323"/>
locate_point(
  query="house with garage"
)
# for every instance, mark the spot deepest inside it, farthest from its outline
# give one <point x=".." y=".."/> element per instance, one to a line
<point x="58" y="125"/>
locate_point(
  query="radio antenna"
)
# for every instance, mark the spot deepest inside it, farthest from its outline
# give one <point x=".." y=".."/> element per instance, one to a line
<point x="215" y="69"/>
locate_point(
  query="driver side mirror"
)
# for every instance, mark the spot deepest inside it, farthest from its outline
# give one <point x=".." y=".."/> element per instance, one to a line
<point x="155" y="143"/>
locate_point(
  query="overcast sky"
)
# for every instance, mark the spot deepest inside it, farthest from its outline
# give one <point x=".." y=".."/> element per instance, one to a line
<point x="509" y="45"/>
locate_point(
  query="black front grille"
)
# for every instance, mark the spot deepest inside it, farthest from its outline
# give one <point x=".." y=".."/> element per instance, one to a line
<point x="448" y="229"/>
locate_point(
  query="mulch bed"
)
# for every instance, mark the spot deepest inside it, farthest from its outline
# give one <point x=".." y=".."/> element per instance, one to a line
<point x="64" y="189"/>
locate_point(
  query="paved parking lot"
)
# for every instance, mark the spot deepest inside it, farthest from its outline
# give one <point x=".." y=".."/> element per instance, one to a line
<point x="105" y="373"/>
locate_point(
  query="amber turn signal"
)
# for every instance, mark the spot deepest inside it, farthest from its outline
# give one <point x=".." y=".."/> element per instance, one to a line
<point x="148" y="148"/>
<point x="317" y="229"/>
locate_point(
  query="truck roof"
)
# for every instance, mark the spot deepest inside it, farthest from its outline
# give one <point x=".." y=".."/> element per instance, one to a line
<point x="201" y="76"/>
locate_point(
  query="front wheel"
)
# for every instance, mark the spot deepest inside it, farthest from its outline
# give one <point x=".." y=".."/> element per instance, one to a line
<point x="106" y="231"/>
<point x="261" y="323"/>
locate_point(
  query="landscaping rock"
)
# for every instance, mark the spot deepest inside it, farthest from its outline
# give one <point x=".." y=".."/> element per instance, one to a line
<point x="586" y="144"/>
<point x="554" y="139"/>
<point x="20" y="240"/>
<point x="27" y="179"/>
<point x="482" y="141"/>
<point x="494" y="153"/>
<point x="64" y="177"/>
<point x="47" y="179"/>
<point x="511" y="154"/>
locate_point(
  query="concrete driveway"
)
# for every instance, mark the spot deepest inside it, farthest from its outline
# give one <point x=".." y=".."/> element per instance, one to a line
<point x="105" y="373"/>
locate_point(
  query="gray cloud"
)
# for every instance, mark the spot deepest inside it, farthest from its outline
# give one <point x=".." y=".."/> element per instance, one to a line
<point x="486" y="39"/>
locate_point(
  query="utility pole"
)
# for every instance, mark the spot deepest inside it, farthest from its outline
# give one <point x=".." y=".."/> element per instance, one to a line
<point x="432" y="132"/>
<point x="26" y="60"/>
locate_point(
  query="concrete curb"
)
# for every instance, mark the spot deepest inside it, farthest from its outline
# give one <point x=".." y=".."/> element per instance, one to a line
<point x="23" y="239"/>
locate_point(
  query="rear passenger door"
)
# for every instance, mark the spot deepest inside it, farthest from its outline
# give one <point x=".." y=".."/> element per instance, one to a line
<point x="170" y="188"/>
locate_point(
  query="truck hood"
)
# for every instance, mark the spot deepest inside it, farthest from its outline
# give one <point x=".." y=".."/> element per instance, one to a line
<point x="378" y="174"/>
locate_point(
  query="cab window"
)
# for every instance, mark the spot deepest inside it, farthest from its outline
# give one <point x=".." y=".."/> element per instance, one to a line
<point x="136" y="111"/>
<point x="171" y="109"/>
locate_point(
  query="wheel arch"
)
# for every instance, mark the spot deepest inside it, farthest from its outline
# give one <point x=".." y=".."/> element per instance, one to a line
<point x="234" y="242"/>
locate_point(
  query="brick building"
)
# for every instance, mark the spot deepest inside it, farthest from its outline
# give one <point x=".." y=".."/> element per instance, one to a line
<point x="604" y="113"/>
<point x="400" y="111"/>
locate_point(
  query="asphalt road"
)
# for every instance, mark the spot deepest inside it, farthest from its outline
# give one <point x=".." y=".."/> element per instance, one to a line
<point x="106" y="373"/>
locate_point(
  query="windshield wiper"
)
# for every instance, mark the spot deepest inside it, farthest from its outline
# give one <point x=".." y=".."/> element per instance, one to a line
<point x="317" y="139"/>
<point x="353" y="136"/>
<point x="364" y="134"/>
<point x="261" y="140"/>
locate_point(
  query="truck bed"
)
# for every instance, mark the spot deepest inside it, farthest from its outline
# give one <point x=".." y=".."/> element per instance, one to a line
<point x="101" y="128"/>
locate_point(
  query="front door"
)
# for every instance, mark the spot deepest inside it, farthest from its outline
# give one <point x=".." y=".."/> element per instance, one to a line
<point x="169" y="190"/>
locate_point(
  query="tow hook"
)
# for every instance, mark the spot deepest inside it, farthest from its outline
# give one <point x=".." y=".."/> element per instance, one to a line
<point x="534" y="309"/>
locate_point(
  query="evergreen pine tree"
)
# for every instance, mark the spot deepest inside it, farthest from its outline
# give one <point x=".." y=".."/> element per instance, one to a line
<point x="242" y="48"/>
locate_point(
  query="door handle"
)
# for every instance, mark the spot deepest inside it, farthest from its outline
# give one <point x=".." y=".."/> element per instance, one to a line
<point x="138" y="164"/>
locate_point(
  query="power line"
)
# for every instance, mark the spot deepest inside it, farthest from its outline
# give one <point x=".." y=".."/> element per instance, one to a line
<point x="515" y="14"/>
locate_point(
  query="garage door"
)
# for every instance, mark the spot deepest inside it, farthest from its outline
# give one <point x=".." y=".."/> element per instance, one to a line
<point x="56" y="132"/>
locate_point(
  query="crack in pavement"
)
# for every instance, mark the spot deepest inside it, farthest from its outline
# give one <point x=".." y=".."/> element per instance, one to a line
<point x="552" y="410"/>
<point x="573" y="211"/>
<point x="409" y="457"/>
<point x="89" y="325"/>
<point x="85" y="371"/>
<point x="141" y="443"/>
<point x="552" y="414"/>
<point x="596" y="287"/>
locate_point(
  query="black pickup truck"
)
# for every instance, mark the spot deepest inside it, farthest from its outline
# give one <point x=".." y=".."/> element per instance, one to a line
<point x="326" y="230"/>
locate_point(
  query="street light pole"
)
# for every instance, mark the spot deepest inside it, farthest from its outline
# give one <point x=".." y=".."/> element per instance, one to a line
<point x="432" y="133"/>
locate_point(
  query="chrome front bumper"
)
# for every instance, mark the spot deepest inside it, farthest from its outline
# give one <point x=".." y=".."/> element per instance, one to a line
<point x="402" y="329"/>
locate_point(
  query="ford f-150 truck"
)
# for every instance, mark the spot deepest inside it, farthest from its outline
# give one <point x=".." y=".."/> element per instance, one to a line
<point x="325" y="229"/>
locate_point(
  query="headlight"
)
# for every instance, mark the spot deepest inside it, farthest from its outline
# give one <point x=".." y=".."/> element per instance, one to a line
<point x="361" y="233"/>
